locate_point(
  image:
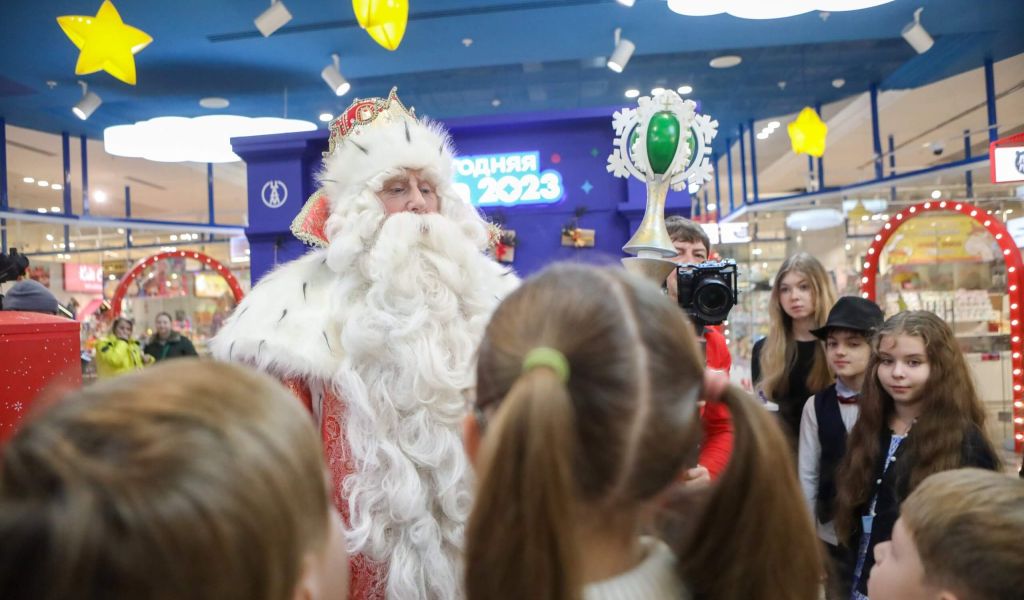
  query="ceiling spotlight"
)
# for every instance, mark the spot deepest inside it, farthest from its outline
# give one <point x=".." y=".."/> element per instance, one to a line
<point x="467" y="42"/>
<point x="54" y="209"/>
<point x="88" y="104"/>
<point x="214" y="102"/>
<point x="630" y="93"/>
<point x="774" y="125"/>
<point x="763" y="135"/>
<point x="916" y="35"/>
<point x="496" y="102"/>
<point x="41" y="210"/>
<point x="33" y="179"/>
<point x="712" y="206"/>
<point x="273" y="18"/>
<point x="623" y="51"/>
<point x="657" y="91"/>
<point x="936" y="194"/>
<point x="626" y="2"/>
<point x="838" y="82"/>
<point x="99" y="196"/>
<point x="332" y="75"/>
<point x="684" y="90"/>
<point x="326" y="117"/>
<point x="49" y="237"/>
<point x="725" y="62"/>
<point x="56" y="186"/>
<point x="43" y="183"/>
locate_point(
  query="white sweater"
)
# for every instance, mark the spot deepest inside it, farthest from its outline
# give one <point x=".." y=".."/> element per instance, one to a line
<point x="655" y="578"/>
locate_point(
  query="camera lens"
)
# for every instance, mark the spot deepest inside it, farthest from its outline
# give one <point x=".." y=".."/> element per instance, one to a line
<point x="713" y="298"/>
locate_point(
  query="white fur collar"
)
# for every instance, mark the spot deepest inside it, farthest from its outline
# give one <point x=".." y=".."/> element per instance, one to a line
<point x="284" y="324"/>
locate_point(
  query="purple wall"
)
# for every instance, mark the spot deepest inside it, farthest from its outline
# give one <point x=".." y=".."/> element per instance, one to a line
<point x="577" y="145"/>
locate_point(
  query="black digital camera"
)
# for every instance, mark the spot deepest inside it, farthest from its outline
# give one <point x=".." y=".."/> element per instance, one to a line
<point x="707" y="292"/>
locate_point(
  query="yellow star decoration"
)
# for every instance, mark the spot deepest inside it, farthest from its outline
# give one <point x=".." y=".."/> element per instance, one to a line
<point x="106" y="43"/>
<point x="384" y="20"/>
<point x="807" y="133"/>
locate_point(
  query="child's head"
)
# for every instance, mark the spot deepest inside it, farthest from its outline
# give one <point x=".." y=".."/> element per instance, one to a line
<point x="958" y="538"/>
<point x="918" y="358"/>
<point x="847" y="335"/>
<point x="802" y="290"/>
<point x="191" y="479"/>
<point x="593" y="444"/>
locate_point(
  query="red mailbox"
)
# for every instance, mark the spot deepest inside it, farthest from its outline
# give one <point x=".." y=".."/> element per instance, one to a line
<point x="37" y="351"/>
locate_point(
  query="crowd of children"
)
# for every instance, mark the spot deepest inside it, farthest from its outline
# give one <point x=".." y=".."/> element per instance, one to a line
<point x="585" y="422"/>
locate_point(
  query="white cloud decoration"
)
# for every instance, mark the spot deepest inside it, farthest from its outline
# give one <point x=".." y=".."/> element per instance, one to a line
<point x="766" y="9"/>
<point x="196" y="139"/>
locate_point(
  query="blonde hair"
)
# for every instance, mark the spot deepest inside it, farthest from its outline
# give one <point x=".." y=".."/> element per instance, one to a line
<point x="778" y="356"/>
<point x="967" y="525"/>
<point x="610" y="440"/>
<point x="191" y="479"/>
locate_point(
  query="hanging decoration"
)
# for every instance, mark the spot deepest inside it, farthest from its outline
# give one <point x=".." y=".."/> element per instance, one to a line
<point x="383" y="20"/>
<point x="664" y="143"/>
<point x="807" y="133"/>
<point x="575" y="236"/>
<point x="105" y="42"/>
<point x="501" y="241"/>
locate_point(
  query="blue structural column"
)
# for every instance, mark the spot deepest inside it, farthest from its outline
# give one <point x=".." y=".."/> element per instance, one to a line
<point x="876" y="139"/>
<point x="65" y="144"/>
<point x="3" y="183"/>
<point x="821" y="160"/>
<point x="718" y="189"/>
<point x="128" y="214"/>
<point x="728" y="163"/>
<point x="85" y="177"/>
<point x="968" y="176"/>
<point x="990" y="100"/>
<point x="753" y="161"/>
<point x="209" y="190"/>
<point x="743" y="167"/>
<point x="892" y="166"/>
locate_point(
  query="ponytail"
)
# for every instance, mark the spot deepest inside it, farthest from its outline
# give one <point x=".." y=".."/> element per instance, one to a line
<point x="520" y="541"/>
<point x="755" y="539"/>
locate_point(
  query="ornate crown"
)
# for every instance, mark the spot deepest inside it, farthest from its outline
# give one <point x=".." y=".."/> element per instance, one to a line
<point x="368" y="113"/>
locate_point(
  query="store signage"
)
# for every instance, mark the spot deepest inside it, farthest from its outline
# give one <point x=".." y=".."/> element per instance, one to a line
<point x="1016" y="229"/>
<point x="274" y="193"/>
<point x="1006" y="159"/>
<point x="727" y="233"/>
<point x="511" y="179"/>
<point x="83" y="278"/>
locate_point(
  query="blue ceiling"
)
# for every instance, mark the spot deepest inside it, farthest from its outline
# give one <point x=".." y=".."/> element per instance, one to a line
<point x="532" y="55"/>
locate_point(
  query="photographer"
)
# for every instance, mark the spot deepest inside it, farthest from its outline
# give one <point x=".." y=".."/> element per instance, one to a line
<point x="694" y="247"/>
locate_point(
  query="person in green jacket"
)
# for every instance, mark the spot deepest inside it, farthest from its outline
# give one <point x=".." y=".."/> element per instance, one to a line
<point x="167" y="343"/>
<point x="118" y="353"/>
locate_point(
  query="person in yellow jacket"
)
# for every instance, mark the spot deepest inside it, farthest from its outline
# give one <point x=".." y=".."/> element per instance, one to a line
<point x="118" y="353"/>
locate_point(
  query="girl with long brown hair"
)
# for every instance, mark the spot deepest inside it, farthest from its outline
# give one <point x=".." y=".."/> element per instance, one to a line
<point x="920" y="414"/>
<point x="788" y="365"/>
<point x="191" y="480"/>
<point x="586" y="417"/>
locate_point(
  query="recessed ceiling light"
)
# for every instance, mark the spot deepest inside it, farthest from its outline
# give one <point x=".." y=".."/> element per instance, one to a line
<point x="657" y="90"/>
<point x="725" y="62"/>
<point x="496" y="103"/>
<point x="43" y="183"/>
<point x="632" y="93"/>
<point x="325" y="117"/>
<point x="774" y="124"/>
<point x="936" y="194"/>
<point x="467" y="42"/>
<point x="214" y="102"/>
<point x="54" y="209"/>
<point x="40" y="210"/>
<point x="99" y="196"/>
<point x="838" y="82"/>
<point x="49" y="237"/>
<point x="684" y="90"/>
<point x="56" y="186"/>
<point x="120" y="229"/>
<point x="29" y="179"/>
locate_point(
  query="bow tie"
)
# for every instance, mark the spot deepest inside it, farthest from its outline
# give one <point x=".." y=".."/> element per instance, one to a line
<point x="848" y="399"/>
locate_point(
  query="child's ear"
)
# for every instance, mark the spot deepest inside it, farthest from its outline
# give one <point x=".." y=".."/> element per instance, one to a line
<point x="471" y="435"/>
<point x="308" y="587"/>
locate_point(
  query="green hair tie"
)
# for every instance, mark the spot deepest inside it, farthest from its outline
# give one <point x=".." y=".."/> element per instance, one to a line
<point x="550" y="358"/>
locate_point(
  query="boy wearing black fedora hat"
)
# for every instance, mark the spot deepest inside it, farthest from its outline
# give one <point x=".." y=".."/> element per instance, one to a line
<point x="830" y="414"/>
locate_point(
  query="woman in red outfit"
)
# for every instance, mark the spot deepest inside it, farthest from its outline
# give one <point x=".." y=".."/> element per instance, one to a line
<point x="694" y="247"/>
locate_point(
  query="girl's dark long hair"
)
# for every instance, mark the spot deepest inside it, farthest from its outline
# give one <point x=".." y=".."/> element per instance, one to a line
<point x="951" y="410"/>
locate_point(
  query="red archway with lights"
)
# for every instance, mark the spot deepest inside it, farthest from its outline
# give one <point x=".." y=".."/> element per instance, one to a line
<point x="1012" y="257"/>
<point x="139" y="267"/>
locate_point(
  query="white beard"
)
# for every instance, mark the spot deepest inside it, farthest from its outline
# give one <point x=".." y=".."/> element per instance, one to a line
<point x="412" y="298"/>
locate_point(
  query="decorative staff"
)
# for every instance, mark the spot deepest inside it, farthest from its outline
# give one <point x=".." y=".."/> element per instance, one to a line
<point x="647" y="146"/>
